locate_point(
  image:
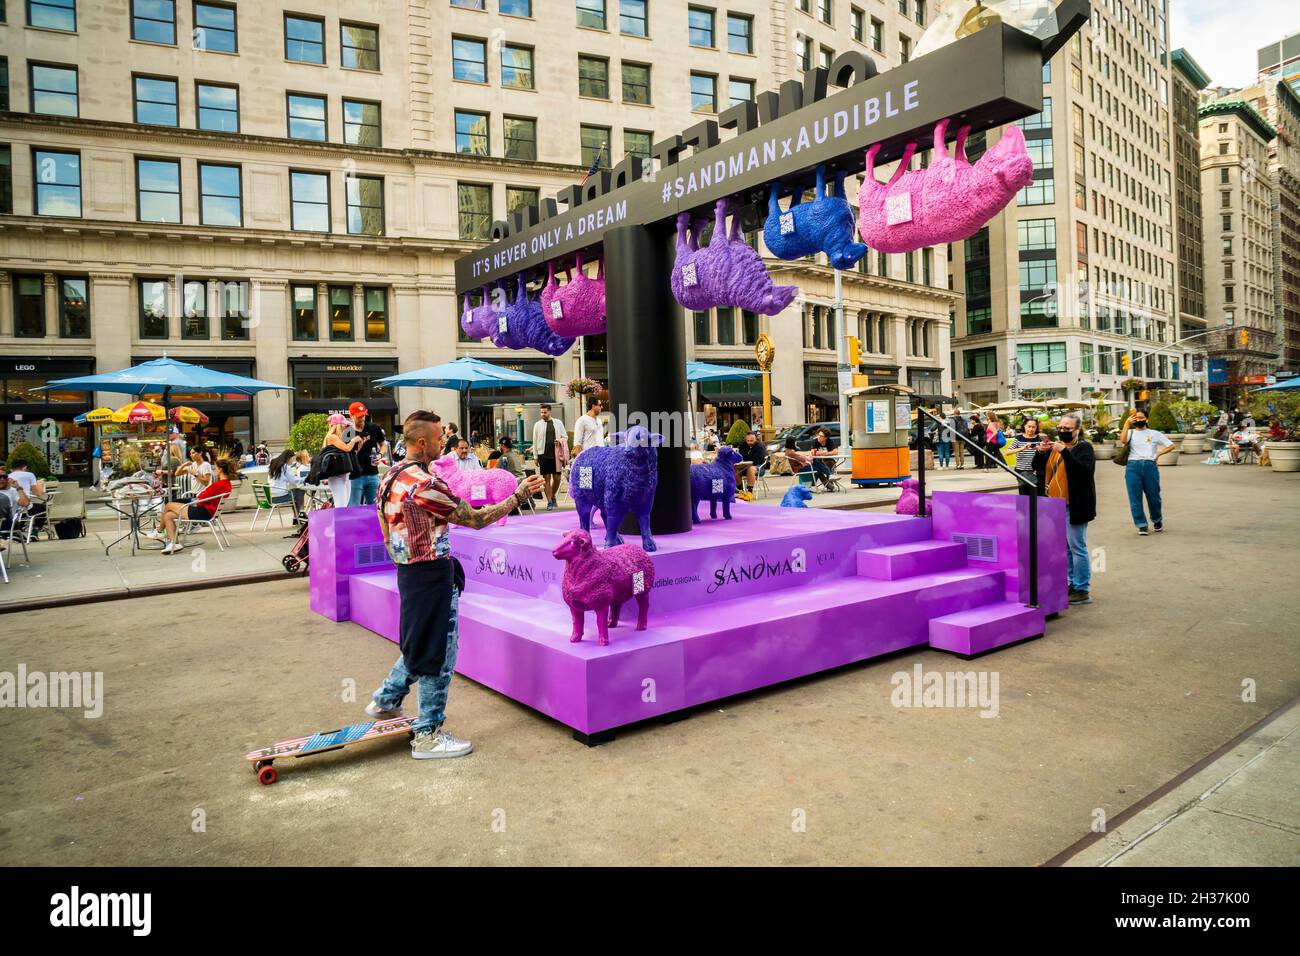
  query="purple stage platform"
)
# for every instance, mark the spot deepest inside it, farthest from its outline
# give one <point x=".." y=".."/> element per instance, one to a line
<point x="774" y="594"/>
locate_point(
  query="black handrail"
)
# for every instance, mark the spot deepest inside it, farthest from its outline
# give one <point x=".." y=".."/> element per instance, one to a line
<point x="1032" y="483"/>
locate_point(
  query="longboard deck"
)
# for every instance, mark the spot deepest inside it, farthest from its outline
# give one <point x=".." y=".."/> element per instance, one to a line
<point x="323" y="741"/>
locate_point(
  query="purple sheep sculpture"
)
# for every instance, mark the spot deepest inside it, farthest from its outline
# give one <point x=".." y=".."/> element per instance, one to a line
<point x="909" y="502"/>
<point x="948" y="201"/>
<point x="824" y="225"/>
<point x="577" y="307"/>
<point x="617" y="480"/>
<point x="602" y="581"/>
<point x="482" y="486"/>
<point x="521" y="326"/>
<point x="480" y="322"/>
<point x="726" y="272"/>
<point x="714" y="483"/>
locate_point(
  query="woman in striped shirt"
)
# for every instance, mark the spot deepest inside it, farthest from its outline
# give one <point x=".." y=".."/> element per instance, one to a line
<point x="1024" y="445"/>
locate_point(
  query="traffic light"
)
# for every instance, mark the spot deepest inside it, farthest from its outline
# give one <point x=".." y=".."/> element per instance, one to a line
<point x="1245" y="338"/>
<point x="855" y="350"/>
<point x="1124" y="363"/>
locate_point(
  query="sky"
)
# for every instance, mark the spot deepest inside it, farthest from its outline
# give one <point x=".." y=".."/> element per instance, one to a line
<point x="1224" y="35"/>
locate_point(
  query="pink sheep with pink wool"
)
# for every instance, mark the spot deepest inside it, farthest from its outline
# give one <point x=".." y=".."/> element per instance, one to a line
<point x="481" y="486"/>
<point x="602" y="581"/>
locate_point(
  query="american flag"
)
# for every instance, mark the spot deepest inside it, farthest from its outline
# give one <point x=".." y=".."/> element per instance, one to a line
<point x="595" y="164"/>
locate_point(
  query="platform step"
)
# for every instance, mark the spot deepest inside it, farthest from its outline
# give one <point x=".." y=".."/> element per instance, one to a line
<point x="982" y="629"/>
<point x="895" y="561"/>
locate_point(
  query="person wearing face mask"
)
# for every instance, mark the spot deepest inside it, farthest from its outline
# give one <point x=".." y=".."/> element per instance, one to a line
<point x="1065" y="469"/>
<point x="1145" y="446"/>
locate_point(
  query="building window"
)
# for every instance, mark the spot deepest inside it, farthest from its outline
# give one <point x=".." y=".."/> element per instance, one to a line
<point x="920" y="13"/>
<point x="215" y="28"/>
<point x="53" y="14"/>
<point x="194" y="310"/>
<point x="1037" y="233"/>
<point x="74" y="308"/>
<point x="360" y="46"/>
<point x="701" y="320"/>
<point x="29" y="307"/>
<point x="158" y="190"/>
<point x="699" y="22"/>
<point x="470" y="4"/>
<point x="361" y="125"/>
<point x="856" y="20"/>
<point x="309" y="197"/>
<point x="877" y="35"/>
<point x="704" y="93"/>
<point x="593" y="77"/>
<point x="220" y="198"/>
<point x="1040" y="357"/>
<point x="233" y="298"/>
<point x="471" y="133"/>
<point x="637" y="143"/>
<point x="376" y="301"/>
<point x="4" y="84"/>
<point x="468" y="60"/>
<point x="520" y="198"/>
<point x="1041" y="192"/>
<point x="904" y="49"/>
<point x="153" y="308"/>
<point x="824" y="11"/>
<point x="1085" y="357"/>
<point x="517" y="67"/>
<point x="474" y="205"/>
<point x="633" y="20"/>
<point x="805" y="53"/>
<point x="155" y="101"/>
<point x="594" y="141"/>
<point x="517" y="8"/>
<point x="218" y="107"/>
<point x="740" y="91"/>
<point x="307" y="117"/>
<point x="6" y="180"/>
<point x="591" y="13"/>
<point x="154" y="21"/>
<point x="57" y="176"/>
<point x="636" y="83"/>
<point x="340" y="313"/>
<point x="53" y="89"/>
<point x="304" y="313"/>
<point x="520" y="137"/>
<point x="304" y="39"/>
<point x="365" y="205"/>
<point x="740" y="33"/>
<point x="980" y="363"/>
<point x="826" y="56"/>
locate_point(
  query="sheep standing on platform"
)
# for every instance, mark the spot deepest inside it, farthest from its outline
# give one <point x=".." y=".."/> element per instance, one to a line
<point x="616" y="480"/>
<point x="482" y="486"/>
<point x="715" y="482"/>
<point x="602" y="581"/>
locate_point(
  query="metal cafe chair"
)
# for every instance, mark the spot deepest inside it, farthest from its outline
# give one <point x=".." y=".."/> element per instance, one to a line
<point x="186" y="526"/>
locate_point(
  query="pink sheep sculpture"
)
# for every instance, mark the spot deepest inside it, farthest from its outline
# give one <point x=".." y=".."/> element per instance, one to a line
<point x="602" y="581"/>
<point x="481" y="486"/>
<point x="948" y="201"/>
<point x="577" y="307"/>
<point x="909" y="501"/>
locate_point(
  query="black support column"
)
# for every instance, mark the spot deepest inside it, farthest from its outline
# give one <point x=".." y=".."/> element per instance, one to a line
<point x="647" y="357"/>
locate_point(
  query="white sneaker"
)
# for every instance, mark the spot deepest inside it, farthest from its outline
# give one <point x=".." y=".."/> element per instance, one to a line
<point x="154" y="535"/>
<point x="173" y="548"/>
<point x="374" y="710"/>
<point x="437" y="744"/>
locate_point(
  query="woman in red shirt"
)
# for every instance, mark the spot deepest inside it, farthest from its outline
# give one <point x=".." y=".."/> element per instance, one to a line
<point x="201" y="508"/>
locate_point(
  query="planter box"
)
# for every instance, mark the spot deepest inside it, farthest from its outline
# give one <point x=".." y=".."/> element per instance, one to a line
<point x="1168" y="460"/>
<point x="1104" y="450"/>
<point x="1194" y="444"/>
<point x="1284" y="455"/>
<point x="929" y="460"/>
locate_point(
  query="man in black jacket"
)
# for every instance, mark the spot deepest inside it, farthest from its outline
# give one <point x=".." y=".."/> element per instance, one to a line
<point x="1065" y="468"/>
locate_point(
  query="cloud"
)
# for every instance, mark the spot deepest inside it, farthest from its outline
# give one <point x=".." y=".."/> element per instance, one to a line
<point x="1224" y="36"/>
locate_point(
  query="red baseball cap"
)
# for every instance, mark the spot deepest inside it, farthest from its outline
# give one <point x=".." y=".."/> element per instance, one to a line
<point x="356" y="408"/>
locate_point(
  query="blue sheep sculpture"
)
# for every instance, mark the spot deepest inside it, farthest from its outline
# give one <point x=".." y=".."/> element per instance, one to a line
<point x="797" y="497"/>
<point x="714" y="483"/>
<point x="823" y="225"/>
<point x="617" y="480"/>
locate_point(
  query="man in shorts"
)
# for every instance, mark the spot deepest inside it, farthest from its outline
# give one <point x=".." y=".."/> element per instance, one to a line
<point x="546" y="432"/>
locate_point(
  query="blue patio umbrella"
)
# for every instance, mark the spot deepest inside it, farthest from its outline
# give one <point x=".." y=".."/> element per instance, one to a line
<point x="1287" y="384"/>
<point x="162" y="376"/>
<point x="706" y="372"/>
<point x="462" y="375"/>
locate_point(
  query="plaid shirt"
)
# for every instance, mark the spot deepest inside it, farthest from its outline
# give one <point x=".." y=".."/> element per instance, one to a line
<point x="415" y="512"/>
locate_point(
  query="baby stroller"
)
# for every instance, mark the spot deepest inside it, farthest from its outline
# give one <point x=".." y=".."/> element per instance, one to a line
<point x="299" y="555"/>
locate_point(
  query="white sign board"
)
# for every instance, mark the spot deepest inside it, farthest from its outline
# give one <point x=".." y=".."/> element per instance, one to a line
<point x="878" y="416"/>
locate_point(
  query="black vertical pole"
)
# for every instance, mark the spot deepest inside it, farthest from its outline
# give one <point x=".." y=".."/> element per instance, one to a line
<point x="647" y="359"/>
<point x="1033" y="544"/>
<point x="920" y="462"/>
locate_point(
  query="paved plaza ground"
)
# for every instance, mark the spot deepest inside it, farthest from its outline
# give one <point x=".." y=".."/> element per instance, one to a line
<point x="1117" y="700"/>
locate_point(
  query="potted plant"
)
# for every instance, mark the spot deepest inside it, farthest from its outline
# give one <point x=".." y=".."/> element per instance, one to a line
<point x="1161" y="419"/>
<point x="578" y="387"/>
<point x="1193" y="417"/>
<point x="37" y="463"/>
<point x="1103" y="433"/>
<point x="1283" y="408"/>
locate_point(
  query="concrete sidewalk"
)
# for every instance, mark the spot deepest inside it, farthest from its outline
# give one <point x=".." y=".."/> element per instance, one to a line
<point x="1238" y="809"/>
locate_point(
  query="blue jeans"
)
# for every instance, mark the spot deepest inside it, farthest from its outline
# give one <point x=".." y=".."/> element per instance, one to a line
<point x="364" y="490"/>
<point x="433" y="690"/>
<point x="1076" y="546"/>
<point x="944" y="448"/>
<point x="1143" y="477"/>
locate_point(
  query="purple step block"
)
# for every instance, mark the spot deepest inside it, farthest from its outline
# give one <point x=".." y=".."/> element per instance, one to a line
<point x="984" y="628"/>
<point x="903" y="560"/>
<point x="343" y="542"/>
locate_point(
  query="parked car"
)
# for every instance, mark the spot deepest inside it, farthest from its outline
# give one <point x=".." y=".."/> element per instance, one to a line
<point x="804" y="435"/>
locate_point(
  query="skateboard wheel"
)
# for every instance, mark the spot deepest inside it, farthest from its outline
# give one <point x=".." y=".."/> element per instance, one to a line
<point x="267" y="776"/>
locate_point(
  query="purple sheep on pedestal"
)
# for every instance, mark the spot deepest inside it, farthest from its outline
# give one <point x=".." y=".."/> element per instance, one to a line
<point x="715" y="482"/>
<point x="482" y="486"/>
<point x="602" y="581"/>
<point x="618" y="480"/>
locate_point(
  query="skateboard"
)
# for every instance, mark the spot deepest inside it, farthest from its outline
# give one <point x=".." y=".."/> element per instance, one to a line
<point x="319" y="743"/>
